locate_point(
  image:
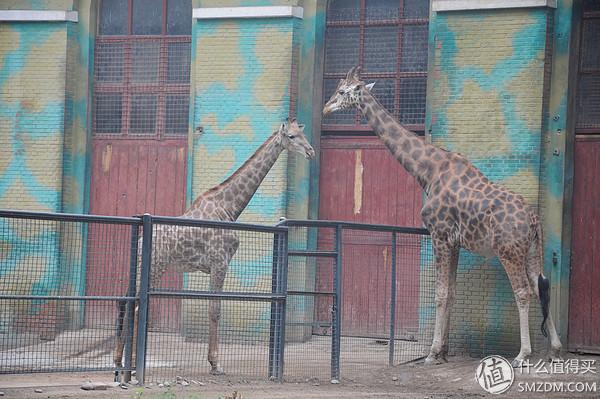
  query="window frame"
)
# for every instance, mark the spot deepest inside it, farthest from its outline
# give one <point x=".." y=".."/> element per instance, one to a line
<point x="128" y="88"/>
<point x="582" y="71"/>
<point x="358" y="128"/>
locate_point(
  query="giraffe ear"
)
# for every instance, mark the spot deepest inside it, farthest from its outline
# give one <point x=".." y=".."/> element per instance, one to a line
<point x="301" y="126"/>
<point x="370" y="86"/>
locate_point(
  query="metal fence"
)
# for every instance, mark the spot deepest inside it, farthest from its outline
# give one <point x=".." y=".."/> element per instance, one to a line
<point x="359" y="296"/>
<point x="325" y="299"/>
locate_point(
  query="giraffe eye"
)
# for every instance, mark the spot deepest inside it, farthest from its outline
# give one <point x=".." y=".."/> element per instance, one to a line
<point x="291" y="136"/>
<point x="340" y="92"/>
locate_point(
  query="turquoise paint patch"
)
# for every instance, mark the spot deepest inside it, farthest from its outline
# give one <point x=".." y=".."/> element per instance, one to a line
<point x="239" y="102"/>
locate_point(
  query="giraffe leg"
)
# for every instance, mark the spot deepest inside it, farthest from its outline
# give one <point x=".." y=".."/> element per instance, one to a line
<point x="522" y="291"/>
<point x="451" y="298"/>
<point x="444" y="256"/>
<point x="217" y="278"/>
<point x="555" y="344"/>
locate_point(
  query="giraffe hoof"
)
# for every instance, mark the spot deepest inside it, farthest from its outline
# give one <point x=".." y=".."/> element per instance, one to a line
<point x="217" y="370"/>
<point x="432" y="360"/>
<point x="555" y="358"/>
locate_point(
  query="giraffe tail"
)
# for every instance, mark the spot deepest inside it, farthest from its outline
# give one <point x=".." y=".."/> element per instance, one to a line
<point x="543" y="282"/>
<point x="544" y="290"/>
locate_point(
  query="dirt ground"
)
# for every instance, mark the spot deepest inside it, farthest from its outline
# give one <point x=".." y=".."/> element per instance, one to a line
<point x="455" y="379"/>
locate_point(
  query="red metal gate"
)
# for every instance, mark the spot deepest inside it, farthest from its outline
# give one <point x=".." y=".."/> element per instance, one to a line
<point x="361" y="181"/>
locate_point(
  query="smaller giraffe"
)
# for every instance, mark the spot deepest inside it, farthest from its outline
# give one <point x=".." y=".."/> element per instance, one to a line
<point x="463" y="209"/>
<point x="209" y="250"/>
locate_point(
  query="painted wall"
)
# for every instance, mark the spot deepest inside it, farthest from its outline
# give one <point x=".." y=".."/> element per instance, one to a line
<point x="44" y="71"/>
<point x="488" y="99"/>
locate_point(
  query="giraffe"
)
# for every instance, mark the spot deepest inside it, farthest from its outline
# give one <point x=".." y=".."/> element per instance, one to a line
<point x="462" y="209"/>
<point x="188" y="249"/>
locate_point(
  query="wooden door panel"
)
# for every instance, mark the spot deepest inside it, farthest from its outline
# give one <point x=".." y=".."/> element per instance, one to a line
<point x="584" y="297"/>
<point x="361" y="181"/>
<point x="131" y="177"/>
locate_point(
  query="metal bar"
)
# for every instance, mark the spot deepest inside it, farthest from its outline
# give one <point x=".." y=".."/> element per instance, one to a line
<point x="312" y="293"/>
<point x="353" y="226"/>
<point x="274" y="310"/>
<point x="68" y="217"/>
<point x="142" y="331"/>
<point x="67" y="297"/>
<point x="283" y="285"/>
<point x="312" y="253"/>
<point x="393" y="295"/>
<point x="236" y="296"/>
<point x="336" y="311"/>
<point x="179" y="221"/>
<point x="130" y="311"/>
<point x="57" y="370"/>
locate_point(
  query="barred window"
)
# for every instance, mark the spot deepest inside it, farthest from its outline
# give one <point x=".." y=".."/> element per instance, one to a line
<point x="388" y="39"/>
<point x="142" y="68"/>
<point x="588" y="88"/>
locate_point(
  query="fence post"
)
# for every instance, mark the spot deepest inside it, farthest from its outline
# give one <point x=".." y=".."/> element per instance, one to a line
<point x="130" y="307"/>
<point x="273" y="328"/>
<point x="336" y="311"/>
<point x="283" y="272"/>
<point x="142" y="332"/>
<point x="277" y="327"/>
<point x="393" y="302"/>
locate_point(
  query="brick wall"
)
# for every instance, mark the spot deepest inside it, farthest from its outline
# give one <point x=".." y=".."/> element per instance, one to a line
<point x="486" y="101"/>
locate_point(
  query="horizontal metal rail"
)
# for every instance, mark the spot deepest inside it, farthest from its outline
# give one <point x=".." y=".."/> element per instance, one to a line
<point x="328" y="254"/>
<point x="353" y="226"/>
<point x="69" y="217"/>
<point x="311" y="293"/>
<point x="179" y="221"/>
<point x="247" y="296"/>
<point x="68" y="297"/>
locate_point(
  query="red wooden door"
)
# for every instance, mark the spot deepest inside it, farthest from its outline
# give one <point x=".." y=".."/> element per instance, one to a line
<point x="584" y="298"/>
<point x="360" y="181"/>
<point x="131" y="177"/>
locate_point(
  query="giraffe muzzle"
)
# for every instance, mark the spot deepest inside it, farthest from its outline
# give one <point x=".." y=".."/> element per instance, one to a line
<point x="328" y="109"/>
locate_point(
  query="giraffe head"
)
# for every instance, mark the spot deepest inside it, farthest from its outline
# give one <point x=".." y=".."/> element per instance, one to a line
<point x="292" y="138"/>
<point x="348" y="91"/>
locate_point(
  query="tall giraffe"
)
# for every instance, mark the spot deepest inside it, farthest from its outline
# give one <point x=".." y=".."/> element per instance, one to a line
<point x="188" y="249"/>
<point x="463" y="209"/>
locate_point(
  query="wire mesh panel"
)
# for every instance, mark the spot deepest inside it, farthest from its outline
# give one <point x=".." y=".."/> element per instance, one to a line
<point x="386" y="299"/>
<point x="230" y="302"/>
<point x="53" y="315"/>
<point x="309" y="310"/>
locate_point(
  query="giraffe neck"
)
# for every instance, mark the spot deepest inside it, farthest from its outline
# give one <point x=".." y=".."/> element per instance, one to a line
<point x="418" y="157"/>
<point x="234" y="194"/>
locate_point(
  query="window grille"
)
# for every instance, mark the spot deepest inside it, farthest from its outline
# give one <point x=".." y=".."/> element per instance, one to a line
<point x="588" y="82"/>
<point x="388" y="39"/>
<point x="142" y="69"/>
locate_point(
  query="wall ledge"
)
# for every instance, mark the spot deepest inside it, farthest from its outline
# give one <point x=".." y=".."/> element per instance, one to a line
<point x="248" y="12"/>
<point x="38" y="15"/>
<point x="458" y="5"/>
